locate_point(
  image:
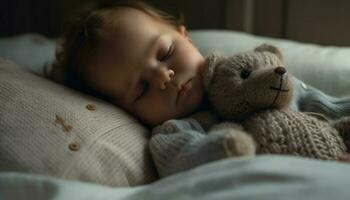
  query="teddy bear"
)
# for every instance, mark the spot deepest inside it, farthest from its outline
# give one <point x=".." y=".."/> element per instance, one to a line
<point x="255" y="89"/>
<point x="251" y="93"/>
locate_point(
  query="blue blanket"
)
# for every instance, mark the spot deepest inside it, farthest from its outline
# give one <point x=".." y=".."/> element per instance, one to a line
<point x="262" y="177"/>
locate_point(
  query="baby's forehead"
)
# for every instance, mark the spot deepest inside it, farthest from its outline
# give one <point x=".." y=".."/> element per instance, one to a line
<point x="126" y="20"/>
<point x="132" y="37"/>
<point x="128" y="34"/>
<point x="130" y="26"/>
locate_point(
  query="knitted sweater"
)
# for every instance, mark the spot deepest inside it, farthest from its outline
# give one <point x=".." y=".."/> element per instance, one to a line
<point x="181" y="144"/>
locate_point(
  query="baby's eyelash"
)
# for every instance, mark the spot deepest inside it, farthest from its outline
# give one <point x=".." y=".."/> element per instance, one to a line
<point x="168" y="54"/>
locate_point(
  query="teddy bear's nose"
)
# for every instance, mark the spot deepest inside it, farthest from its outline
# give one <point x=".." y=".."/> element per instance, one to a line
<point x="280" y="70"/>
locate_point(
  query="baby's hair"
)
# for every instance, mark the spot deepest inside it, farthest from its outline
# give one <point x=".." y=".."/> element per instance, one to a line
<point x="83" y="32"/>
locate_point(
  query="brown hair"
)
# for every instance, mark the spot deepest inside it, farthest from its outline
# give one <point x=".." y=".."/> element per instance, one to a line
<point x="81" y="35"/>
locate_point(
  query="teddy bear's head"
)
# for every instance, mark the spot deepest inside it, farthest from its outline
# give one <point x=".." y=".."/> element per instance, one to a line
<point x="242" y="84"/>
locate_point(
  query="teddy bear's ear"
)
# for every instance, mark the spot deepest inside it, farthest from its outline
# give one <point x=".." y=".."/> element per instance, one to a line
<point x="270" y="48"/>
<point x="211" y="61"/>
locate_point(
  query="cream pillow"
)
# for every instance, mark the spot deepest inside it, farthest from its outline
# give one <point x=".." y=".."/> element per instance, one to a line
<point x="324" y="67"/>
<point x="48" y="129"/>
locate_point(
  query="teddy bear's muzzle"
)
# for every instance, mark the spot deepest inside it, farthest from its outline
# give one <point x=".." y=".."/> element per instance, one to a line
<point x="282" y="86"/>
<point x="271" y="87"/>
<point x="280" y="70"/>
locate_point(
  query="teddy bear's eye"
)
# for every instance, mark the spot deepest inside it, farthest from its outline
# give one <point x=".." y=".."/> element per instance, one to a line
<point x="245" y="73"/>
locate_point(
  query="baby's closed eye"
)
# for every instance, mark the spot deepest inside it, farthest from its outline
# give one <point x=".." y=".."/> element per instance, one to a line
<point x="164" y="55"/>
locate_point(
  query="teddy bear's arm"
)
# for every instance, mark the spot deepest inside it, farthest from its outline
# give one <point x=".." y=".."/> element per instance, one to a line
<point x="179" y="148"/>
<point x="343" y="126"/>
<point x="237" y="141"/>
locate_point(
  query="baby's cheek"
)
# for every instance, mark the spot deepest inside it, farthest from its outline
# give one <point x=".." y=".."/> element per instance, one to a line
<point x="190" y="58"/>
<point x="154" y="110"/>
<point x="194" y="100"/>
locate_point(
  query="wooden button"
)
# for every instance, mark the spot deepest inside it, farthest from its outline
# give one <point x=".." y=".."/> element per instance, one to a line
<point x="74" y="146"/>
<point x="67" y="128"/>
<point x="91" y="107"/>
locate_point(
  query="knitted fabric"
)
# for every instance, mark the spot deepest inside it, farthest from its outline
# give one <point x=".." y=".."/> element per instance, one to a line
<point x="51" y="130"/>
<point x="179" y="145"/>
<point x="244" y="87"/>
<point x="295" y="133"/>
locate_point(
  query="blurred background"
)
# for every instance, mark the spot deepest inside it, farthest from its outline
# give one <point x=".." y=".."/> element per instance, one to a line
<point x="325" y="22"/>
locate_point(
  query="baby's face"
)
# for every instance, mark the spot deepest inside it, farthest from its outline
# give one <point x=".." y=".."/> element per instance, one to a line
<point x="150" y="68"/>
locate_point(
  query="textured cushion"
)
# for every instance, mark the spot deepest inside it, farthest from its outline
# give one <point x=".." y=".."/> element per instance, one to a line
<point x="326" y="68"/>
<point x="48" y="129"/>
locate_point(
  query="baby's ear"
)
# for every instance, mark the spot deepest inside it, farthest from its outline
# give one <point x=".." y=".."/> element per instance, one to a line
<point x="270" y="48"/>
<point x="182" y="30"/>
<point x="211" y="61"/>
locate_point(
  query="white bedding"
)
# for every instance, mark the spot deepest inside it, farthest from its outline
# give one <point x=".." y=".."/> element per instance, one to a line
<point x="330" y="64"/>
<point x="263" y="177"/>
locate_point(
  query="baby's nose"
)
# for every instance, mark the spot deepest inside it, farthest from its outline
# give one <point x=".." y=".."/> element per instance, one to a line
<point x="162" y="76"/>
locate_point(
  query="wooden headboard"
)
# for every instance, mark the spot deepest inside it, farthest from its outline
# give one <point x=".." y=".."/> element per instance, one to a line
<point x="325" y="22"/>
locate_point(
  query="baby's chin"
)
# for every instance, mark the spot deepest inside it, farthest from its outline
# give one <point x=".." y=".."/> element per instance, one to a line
<point x="181" y="111"/>
<point x="191" y="104"/>
<point x="154" y="120"/>
<point x="186" y="106"/>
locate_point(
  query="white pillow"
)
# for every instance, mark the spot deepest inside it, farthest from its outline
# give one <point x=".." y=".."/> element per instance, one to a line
<point x="326" y="68"/>
<point x="30" y="50"/>
<point x="48" y="129"/>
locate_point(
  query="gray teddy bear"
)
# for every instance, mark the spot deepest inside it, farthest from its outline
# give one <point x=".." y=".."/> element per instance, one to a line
<point x="253" y="92"/>
<point x="255" y="89"/>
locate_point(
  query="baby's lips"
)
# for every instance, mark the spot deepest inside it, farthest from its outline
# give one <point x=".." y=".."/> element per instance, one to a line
<point x="180" y="84"/>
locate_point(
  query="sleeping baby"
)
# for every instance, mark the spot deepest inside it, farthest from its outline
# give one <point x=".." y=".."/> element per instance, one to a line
<point x="143" y="60"/>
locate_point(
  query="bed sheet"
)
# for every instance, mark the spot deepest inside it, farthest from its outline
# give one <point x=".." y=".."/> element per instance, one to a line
<point x="263" y="177"/>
